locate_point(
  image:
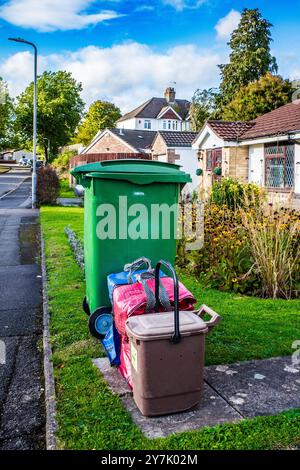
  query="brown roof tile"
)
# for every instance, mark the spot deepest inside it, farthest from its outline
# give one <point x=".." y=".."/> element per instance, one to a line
<point x="277" y="122"/>
<point x="229" y="130"/>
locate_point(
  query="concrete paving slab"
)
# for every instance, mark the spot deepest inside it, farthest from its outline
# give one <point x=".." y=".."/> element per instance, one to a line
<point x="256" y="388"/>
<point x="212" y="409"/>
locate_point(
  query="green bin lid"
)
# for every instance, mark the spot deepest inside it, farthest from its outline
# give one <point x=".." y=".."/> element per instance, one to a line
<point x="136" y="171"/>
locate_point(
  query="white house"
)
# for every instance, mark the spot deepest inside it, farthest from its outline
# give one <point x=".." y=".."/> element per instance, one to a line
<point x="165" y="114"/>
<point x="265" y="151"/>
<point x="15" y="155"/>
<point x="176" y="147"/>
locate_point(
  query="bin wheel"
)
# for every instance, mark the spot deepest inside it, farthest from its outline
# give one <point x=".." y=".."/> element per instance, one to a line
<point x="100" y="321"/>
<point x="86" y="307"/>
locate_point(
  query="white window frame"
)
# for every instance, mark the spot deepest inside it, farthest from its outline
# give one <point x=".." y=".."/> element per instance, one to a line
<point x="147" y="124"/>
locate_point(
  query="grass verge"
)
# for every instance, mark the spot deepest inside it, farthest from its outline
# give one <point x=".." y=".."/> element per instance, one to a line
<point x="91" y="417"/>
<point x="4" y="169"/>
<point x="65" y="191"/>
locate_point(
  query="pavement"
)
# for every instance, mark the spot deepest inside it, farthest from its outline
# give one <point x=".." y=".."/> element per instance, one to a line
<point x="231" y="393"/>
<point x="22" y="413"/>
<point x="70" y="201"/>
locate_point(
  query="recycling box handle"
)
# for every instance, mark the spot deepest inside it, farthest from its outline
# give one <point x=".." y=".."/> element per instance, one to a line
<point x="215" y="317"/>
<point x="176" y="336"/>
<point x="136" y="265"/>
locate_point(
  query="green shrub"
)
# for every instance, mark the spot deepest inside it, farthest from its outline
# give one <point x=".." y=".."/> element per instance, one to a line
<point x="61" y="162"/>
<point x="234" y="194"/>
<point x="47" y="186"/>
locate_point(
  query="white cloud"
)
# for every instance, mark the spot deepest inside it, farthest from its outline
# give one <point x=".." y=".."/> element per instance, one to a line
<point x="182" y="4"/>
<point x="126" y="74"/>
<point x="227" y="24"/>
<point x="52" y="15"/>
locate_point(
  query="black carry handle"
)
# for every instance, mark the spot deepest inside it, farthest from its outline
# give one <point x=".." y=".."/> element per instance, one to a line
<point x="176" y="337"/>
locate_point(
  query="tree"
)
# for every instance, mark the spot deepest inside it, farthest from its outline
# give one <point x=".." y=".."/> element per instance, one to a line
<point x="8" y="137"/>
<point x="250" y="57"/>
<point x="262" y="96"/>
<point x="100" y="115"/>
<point x="203" y="107"/>
<point x="60" y="108"/>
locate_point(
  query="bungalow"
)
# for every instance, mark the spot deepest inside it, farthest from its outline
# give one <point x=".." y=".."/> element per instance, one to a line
<point x="128" y="141"/>
<point x="264" y="151"/>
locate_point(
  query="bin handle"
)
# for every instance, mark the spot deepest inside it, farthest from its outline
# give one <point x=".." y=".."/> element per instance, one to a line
<point x="176" y="336"/>
<point x="215" y="317"/>
<point x="135" y="265"/>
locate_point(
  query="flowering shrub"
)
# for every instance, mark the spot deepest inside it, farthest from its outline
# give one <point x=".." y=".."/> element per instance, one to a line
<point x="253" y="250"/>
<point x="224" y="258"/>
<point x="233" y="194"/>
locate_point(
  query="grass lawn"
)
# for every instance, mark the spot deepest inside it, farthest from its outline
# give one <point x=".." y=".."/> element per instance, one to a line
<point x="4" y="169"/>
<point x="65" y="190"/>
<point x="91" y="417"/>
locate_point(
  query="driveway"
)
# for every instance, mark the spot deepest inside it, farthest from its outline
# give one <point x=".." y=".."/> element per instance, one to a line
<point x="22" y="414"/>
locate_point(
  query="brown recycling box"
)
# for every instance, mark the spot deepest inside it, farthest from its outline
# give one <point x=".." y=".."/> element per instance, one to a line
<point x="167" y="356"/>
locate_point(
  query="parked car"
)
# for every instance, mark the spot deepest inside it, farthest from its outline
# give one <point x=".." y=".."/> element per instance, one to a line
<point x="24" y="162"/>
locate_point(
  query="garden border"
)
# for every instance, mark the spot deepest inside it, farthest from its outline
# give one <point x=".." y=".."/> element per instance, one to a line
<point x="50" y="401"/>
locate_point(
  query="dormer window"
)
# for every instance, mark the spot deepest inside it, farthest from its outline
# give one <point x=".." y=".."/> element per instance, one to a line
<point x="147" y="124"/>
<point x="164" y="125"/>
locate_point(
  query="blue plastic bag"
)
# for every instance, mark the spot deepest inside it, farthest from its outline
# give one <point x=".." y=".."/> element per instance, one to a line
<point x="111" y="344"/>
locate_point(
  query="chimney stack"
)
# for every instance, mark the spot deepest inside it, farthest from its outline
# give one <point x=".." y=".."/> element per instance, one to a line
<point x="170" y="95"/>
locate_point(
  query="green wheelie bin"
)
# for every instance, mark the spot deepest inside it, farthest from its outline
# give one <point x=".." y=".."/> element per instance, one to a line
<point x="130" y="211"/>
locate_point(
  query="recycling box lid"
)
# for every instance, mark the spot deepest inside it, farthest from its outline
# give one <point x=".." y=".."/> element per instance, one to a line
<point x="153" y="326"/>
<point x="136" y="171"/>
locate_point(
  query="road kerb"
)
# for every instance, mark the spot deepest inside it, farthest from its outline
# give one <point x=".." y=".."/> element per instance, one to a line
<point x="51" y="424"/>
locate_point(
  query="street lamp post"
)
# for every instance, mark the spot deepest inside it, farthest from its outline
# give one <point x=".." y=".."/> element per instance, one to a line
<point x="34" y="116"/>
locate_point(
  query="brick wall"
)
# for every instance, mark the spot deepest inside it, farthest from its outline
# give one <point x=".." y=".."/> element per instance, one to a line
<point x="160" y="148"/>
<point x="237" y="159"/>
<point x="110" y="144"/>
<point x="235" y="163"/>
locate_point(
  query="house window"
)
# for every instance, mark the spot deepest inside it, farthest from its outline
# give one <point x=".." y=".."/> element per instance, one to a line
<point x="147" y="124"/>
<point x="164" y="124"/>
<point x="213" y="158"/>
<point x="169" y="125"/>
<point x="209" y="159"/>
<point x="174" y="125"/>
<point x="279" y="166"/>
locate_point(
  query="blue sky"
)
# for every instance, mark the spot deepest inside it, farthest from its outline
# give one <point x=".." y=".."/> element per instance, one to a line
<point x="127" y="51"/>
